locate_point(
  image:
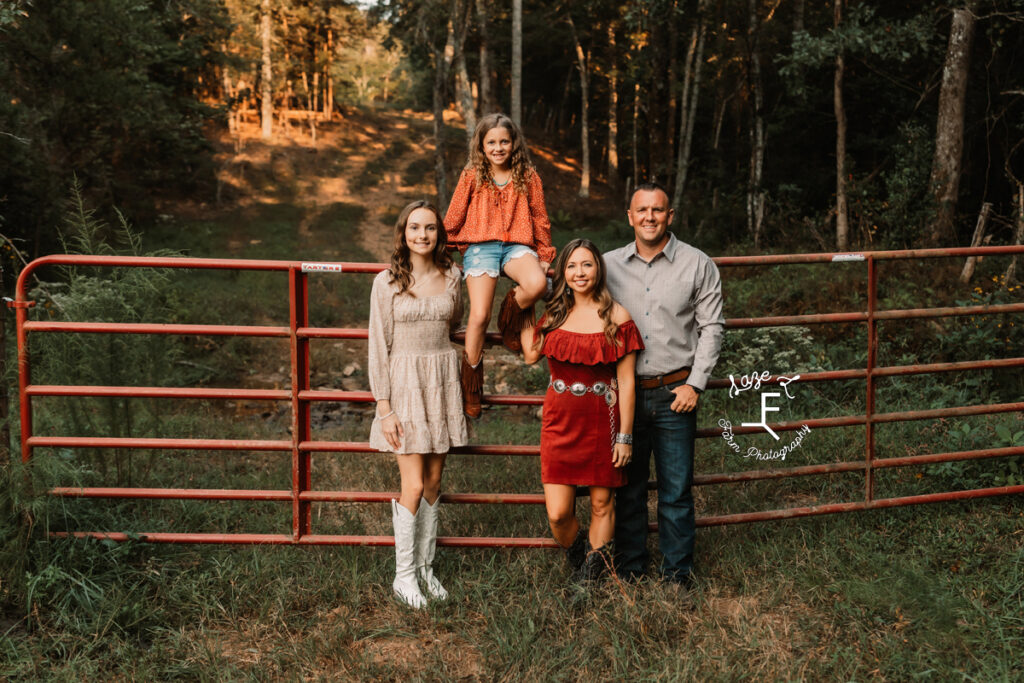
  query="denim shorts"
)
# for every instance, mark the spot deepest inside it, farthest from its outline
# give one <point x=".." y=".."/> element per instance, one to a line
<point x="490" y="258"/>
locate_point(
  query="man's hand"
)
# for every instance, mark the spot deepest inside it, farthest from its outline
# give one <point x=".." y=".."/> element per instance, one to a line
<point x="686" y="399"/>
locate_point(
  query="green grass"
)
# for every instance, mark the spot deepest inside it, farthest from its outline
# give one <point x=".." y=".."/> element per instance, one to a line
<point x="932" y="592"/>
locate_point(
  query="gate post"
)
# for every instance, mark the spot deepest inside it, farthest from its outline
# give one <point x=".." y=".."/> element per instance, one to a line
<point x="21" y="306"/>
<point x="869" y="403"/>
<point x="298" y="319"/>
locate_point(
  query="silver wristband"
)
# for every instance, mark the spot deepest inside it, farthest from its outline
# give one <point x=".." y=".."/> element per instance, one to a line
<point x="624" y="438"/>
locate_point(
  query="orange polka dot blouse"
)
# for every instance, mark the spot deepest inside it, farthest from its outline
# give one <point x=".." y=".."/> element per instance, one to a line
<point x="487" y="213"/>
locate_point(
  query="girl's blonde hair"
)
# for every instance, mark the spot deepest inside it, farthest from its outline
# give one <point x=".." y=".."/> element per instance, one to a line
<point x="401" y="268"/>
<point x="561" y="301"/>
<point x="519" y="159"/>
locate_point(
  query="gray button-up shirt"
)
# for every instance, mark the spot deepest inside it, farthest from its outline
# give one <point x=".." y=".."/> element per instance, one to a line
<point x="676" y="303"/>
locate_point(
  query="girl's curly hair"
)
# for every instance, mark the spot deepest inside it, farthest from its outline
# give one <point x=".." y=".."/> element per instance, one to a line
<point x="519" y="160"/>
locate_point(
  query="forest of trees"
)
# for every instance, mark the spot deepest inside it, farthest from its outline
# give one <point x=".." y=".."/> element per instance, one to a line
<point x="804" y="124"/>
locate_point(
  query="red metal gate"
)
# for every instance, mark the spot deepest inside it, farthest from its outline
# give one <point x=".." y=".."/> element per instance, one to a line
<point x="301" y="396"/>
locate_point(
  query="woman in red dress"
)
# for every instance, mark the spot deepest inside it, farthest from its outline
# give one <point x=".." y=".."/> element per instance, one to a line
<point x="587" y="431"/>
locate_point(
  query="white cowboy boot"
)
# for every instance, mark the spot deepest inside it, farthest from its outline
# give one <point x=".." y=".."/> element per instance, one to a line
<point x="405" y="586"/>
<point x="426" y="542"/>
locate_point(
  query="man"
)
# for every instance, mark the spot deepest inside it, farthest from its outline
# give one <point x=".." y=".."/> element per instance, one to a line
<point x="674" y="294"/>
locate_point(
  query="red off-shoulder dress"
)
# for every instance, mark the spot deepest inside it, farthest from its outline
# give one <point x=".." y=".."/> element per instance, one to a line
<point x="578" y="430"/>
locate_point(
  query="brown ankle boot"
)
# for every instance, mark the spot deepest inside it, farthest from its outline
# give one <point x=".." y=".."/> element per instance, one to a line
<point x="472" y="381"/>
<point x="511" y="321"/>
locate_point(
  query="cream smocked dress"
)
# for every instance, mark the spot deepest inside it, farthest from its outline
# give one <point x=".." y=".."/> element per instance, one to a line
<point x="414" y="365"/>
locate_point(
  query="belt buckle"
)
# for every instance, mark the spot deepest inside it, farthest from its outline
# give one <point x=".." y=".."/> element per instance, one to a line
<point x="578" y="389"/>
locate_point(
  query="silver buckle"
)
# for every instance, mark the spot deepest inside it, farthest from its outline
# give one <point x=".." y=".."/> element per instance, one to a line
<point x="606" y="389"/>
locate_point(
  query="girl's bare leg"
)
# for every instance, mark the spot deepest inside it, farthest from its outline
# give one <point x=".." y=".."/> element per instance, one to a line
<point x="602" y="516"/>
<point x="481" y="298"/>
<point x="560" y="501"/>
<point x="433" y="466"/>
<point x="526" y="272"/>
<point x="411" y="470"/>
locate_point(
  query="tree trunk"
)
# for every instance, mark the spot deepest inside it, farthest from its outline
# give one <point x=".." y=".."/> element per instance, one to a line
<point x="842" y="214"/>
<point x="488" y="101"/>
<point x="465" y="90"/>
<point x="688" y="107"/>
<point x="674" y="96"/>
<point x="517" y="62"/>
<point x="442" y="62"/>
<point x="636" y="133"/>
<point x="466" y="105"/>
<point x="328" y="79"/>
<point x="440" y="181"/>
<point x="979" y="235"/>
<point x="613" y="110"/>
<point x="659" y="159"/>
<point x="1018" y="238"/>
<point x="266" y="92"/>
<point x="581" y="62"/>
<point x="949" y="129"/>
<point x="755" y="196"/>
<point x="799" y="26"/>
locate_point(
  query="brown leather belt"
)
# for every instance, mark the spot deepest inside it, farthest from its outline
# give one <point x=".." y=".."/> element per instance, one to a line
<point x="661" y="380"/>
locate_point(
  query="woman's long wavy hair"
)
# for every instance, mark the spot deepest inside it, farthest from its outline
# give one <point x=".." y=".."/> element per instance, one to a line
<point x="562" y="300"/>
<point x="401" y="268"/>
<point x="518" y="161"/>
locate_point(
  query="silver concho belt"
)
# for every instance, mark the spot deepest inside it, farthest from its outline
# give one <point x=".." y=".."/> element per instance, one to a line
<point x="606" y="389"/>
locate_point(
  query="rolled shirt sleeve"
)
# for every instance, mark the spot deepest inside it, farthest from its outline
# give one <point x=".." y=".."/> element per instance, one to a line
<point x="707" y="314"/>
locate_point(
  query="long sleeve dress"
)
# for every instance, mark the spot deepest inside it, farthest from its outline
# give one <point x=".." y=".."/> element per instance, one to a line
<point x="581" y="415"/>
<point x="413" y="364"/>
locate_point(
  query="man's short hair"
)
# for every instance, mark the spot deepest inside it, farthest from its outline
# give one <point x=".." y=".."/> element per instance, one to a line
<point x="649" y="186"/>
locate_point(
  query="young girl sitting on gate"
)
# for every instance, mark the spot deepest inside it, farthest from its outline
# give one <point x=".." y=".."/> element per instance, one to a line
<point x="498" y="220"/>
<point x="414" y="370"/>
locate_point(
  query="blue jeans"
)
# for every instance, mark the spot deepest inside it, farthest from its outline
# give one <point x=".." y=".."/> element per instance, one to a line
<point x="670" y="436"/>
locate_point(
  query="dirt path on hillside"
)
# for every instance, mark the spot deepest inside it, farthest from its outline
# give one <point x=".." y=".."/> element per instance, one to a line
<point x="375" y="161"/>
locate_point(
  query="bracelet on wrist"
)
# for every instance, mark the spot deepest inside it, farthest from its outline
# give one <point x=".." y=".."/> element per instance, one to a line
<point x="624" y="438"/>
<point x="381" y="417"/>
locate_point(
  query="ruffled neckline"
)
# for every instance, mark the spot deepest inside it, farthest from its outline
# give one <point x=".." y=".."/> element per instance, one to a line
<point x="591" y="348"/>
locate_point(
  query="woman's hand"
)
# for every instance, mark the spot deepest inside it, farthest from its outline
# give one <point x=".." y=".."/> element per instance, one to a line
<point x="622" y="454"/>
<point x="392" y="429"/>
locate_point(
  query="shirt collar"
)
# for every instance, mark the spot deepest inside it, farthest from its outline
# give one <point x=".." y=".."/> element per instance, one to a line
<point x="670" y="250"/>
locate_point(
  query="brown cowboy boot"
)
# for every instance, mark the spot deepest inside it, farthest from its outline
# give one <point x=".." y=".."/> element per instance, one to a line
<point x="472" y="381"/>
<point x="511" y="321"/>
